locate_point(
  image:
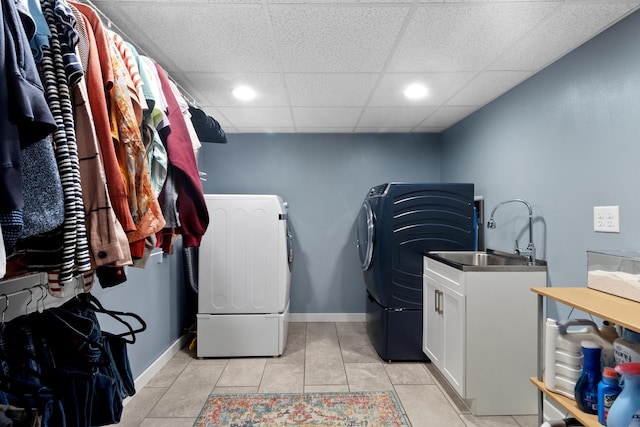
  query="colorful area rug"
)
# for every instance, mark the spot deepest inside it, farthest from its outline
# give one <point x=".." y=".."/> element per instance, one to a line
<point x="370" y="409"/>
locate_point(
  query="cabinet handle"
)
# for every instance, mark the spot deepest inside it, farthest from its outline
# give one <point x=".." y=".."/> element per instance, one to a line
<point x="437" y="302"/>
<point x="440" y="302"/>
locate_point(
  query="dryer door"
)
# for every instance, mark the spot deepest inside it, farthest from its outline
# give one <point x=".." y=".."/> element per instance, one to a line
<point x="364" y="229"/>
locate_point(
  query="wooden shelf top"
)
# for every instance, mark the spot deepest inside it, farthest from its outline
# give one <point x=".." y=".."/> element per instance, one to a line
<point x="587" y="420"/>
<point x="621" y="311"/>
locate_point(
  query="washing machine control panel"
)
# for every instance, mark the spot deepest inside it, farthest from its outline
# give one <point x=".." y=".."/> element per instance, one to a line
<point x="378" y="190"/>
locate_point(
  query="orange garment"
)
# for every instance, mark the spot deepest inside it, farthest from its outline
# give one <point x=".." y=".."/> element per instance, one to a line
<point x="135" y="88"/>
<point x="99" y="76"/>
<point x="130" y="152"/>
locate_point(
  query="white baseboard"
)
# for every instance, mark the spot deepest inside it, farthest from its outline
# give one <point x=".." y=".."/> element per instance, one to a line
<point x="158" y="364"/>
<point x="327" y="317"/>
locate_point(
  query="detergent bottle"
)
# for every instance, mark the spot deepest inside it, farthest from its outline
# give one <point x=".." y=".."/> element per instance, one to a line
<point x="625" y="411"/>
<point x="589" y="332"/>
<point x="627" y="348"/>
<point x="563" y="358"/>
<point x="608" y="391"/>
<point x="586" y="390"/>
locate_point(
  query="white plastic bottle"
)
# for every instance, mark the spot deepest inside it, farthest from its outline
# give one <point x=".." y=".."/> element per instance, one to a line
<point x="627" y="348"/>
<point x="563" y="353"/>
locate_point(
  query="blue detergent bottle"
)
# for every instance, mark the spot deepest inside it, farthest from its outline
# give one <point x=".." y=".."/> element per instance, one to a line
<point x="608" y="391"/>
<point x="586" y="391"/>
<point x="625" y="411"/>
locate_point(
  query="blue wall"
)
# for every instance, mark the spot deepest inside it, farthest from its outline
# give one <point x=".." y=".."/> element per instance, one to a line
<point x="159" y="295"/>
<point x="566" y="140"/>
<point x="324" y="178"/>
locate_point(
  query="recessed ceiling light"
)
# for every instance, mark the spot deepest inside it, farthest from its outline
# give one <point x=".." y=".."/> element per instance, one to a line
<point x="415" y="91"/>
<point x="244" y="93"/>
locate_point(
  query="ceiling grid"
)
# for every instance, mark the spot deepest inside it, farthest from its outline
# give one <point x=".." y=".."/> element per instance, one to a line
<point x="342" y="65"/>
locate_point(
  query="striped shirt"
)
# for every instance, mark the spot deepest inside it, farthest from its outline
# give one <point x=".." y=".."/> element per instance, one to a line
<point x="75" y="252"/>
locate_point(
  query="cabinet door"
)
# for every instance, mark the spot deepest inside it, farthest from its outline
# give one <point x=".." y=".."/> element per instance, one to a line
<point x="432" y="327"/>
<point x="453" y="339"/>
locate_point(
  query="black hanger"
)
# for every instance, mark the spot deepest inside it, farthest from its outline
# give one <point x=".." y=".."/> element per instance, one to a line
<point x="95" y="304"/>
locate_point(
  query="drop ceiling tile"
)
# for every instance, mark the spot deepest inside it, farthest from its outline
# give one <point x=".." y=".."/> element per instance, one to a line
<point x="322" y="117"/>
<point x="323" y="130"/>
<point x="497" y="1"/>
<point x="216" y="88"/>
<point x="330" y="89"/>
<point x="487" y="86"/>
<point x="445" y="117"/>
<point x="331" y="53"/>
<point x="383" y="130"/>
<point x="338" y="2"/>
<point x="571" y="25"/>
<point x="453" y="37"/>
<point x="253" y="117"/>
<point x="440" y="86"/>
<point x="428" y="129"/>
<point x="334" y="38"/>
<point x="394" y="117"/>
<point x="182" y="1"/>
<point x="266" y="130"/>
<point x="212" y="37"/>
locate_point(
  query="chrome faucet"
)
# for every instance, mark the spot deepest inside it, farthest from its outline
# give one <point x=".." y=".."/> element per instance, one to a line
<point x="530" y="250"/>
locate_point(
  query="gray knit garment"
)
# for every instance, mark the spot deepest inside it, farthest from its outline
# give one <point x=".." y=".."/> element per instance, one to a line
<point x="43" y="199"/>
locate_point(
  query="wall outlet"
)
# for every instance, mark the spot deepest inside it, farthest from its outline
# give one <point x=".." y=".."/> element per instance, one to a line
<point x="606" y="219"/>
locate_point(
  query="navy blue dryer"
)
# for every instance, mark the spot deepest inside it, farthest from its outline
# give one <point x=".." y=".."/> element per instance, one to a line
<point x="397" y="224"/>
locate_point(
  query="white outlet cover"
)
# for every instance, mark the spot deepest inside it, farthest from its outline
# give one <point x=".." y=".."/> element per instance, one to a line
<point x="606" y="219"/>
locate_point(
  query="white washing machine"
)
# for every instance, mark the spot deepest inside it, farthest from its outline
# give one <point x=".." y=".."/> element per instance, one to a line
<point x="244" y="277"/>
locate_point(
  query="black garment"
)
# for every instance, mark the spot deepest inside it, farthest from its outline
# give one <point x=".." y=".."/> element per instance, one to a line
<point x="207" y="128"/>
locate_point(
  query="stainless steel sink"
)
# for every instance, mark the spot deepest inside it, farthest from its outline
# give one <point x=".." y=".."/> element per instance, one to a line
<point x="488" y="260"/>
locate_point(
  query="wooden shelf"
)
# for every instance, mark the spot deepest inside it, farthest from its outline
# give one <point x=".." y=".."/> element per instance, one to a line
<point x="621" y="311"/>
<point x="588" y="420"/>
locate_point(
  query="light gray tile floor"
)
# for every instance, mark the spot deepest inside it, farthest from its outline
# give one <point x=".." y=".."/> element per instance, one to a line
<point x="319" y="357"/>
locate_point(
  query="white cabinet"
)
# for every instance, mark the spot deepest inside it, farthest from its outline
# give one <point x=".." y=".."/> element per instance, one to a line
<point x="443" y="339"/>
<point x="478" y="327"/>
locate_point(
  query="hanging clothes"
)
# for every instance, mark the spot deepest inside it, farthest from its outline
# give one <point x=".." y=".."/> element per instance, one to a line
<point x="24" y="117"/>
<point x="130" y="152"/>
<point x="135" y="89"/>
<point x="64" y="367"/>
<point x="95" y="146"/>
<point x="42" y="190"/>
<point x="191" y="207"/>
<point x="155" y="150"/>
<point x="3" y="257"/>
<point x="186" y="115"/>
<point x="75" y="251"/>
<point x="42" y="33"/>
<point x="107" y="239"/>
<point x="99" y="79"/>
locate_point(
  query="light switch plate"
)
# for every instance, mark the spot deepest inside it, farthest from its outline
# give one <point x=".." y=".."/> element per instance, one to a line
<point x="606" y="219"/>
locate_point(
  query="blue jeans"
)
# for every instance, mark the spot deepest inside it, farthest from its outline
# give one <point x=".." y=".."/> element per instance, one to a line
<point x="89" y="369"/>
<point x="24" y="361"/>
